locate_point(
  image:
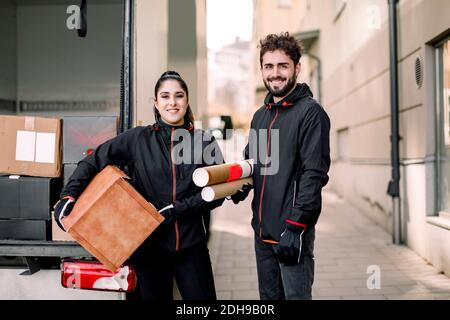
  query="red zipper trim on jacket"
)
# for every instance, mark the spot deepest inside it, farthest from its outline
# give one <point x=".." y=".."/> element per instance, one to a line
<point x="265" y="171"/>
<point x="174" y="190"/>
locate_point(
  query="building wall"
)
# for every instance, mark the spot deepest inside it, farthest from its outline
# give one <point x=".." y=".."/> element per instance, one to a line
<point x="187" y="48"/>
<point x="231" y="82"/>
<point x="270" y="17"/>
<point x="356" y="92"/>
<point x="201" y="111"/>
<point x="354" y="49"/>
<point x="150" y="61"/>
<point x="169" y="35"/>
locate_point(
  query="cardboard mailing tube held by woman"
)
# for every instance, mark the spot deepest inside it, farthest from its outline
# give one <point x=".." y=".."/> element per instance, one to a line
<point x="222" y="190"/>
<point x="222" y="173"/>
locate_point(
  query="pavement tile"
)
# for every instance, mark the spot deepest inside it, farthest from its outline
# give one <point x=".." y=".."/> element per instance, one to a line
<point x="245" y="277"/>
<point x="382" y="291"/>
<point x="410" y="297"/>
<point x="365" y="297"/>
<point x="335" y="291"/>
<point x="235" y="286"/>
<point x="224" y="295"/>
<point x="246" y="295"/>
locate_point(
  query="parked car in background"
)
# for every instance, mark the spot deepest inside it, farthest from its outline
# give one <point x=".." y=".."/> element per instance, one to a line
<point x="219" y="125"/>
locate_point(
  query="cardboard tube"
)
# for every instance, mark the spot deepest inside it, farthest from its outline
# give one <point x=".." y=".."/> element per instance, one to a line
<point x="222" y="190"/>
<point x="222" y="173"/>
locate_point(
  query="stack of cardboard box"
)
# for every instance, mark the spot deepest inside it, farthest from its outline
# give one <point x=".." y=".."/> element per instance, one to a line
<point x="32" y="162"/>
<point x="110" y="218"/>
<point x="30" y="165"/>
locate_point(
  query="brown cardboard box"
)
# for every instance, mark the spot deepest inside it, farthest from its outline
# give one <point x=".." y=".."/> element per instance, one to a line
<point x="30" y="146"/>
<point x="58" y="234"/>
<point x="111" y="219"/>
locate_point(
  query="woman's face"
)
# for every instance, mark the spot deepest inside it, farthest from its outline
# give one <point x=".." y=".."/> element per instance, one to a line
<point x="171" y="102"/>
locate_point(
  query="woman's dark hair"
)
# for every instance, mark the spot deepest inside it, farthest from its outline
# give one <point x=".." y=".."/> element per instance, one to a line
<point x="283" y="41"/>
<point x="173" y="75"/>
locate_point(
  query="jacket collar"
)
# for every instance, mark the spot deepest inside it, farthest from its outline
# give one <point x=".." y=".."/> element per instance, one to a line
<point x="161" y="125"/>
<point x="301" y="90"/>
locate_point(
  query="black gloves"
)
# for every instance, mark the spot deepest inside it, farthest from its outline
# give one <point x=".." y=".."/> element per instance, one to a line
<point x="170" y="212"/>
<point x="62" y="209"/>
<point x="242" y="194"/>
<point x="289" y="249"/>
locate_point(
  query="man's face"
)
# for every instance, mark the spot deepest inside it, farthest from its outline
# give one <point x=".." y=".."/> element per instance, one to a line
<point x="279" y="73"/>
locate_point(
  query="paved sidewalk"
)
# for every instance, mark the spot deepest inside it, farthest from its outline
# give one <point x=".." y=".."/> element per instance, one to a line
<point x="347" y="243"/>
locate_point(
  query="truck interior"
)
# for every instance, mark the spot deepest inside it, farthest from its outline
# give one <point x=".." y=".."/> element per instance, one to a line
<point x="49" y="69"/>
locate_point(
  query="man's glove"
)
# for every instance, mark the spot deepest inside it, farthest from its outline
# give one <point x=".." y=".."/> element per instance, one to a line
<point x="289" y="249"/>
<point x="242" y="194"/>
<point x="62" y="209"/>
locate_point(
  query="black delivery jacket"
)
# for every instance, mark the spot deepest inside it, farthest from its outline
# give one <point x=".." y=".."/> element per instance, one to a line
<point x="294" y="192"/>
<point x="146" y="152"/>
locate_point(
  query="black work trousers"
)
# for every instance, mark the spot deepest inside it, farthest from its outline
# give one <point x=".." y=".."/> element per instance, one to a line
<point x="279" y="282"/>
<point x="191" y="268"/>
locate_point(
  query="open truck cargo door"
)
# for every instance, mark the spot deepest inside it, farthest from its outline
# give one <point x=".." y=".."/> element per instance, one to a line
<point x="63" y="72"/>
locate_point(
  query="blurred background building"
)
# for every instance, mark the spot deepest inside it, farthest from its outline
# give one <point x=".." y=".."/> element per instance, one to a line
<point x="231" y="85"/>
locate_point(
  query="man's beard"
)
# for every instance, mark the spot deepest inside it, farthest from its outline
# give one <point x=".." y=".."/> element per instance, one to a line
<point x="282" y="91"/>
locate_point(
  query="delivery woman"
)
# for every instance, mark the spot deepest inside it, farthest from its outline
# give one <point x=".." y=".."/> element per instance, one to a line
<point x="178" y="247"/>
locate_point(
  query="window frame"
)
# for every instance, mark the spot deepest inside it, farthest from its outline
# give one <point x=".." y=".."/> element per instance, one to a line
<point x="285" y="4"/>
<point x="343" y="150"/>
<point x="440" y="125"/>
<point x="339" y="6"/>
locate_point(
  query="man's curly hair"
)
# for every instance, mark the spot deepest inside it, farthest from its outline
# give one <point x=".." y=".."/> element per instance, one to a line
<point x="283" y="41"/>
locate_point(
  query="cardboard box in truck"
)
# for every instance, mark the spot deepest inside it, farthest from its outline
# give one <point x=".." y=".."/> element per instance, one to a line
<point x="23" y="197"/>
<point x="20" y="229"/>
<point x="30" y="146"/>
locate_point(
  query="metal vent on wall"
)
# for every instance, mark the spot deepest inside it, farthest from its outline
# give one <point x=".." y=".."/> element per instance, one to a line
<point x="418" y="65"/>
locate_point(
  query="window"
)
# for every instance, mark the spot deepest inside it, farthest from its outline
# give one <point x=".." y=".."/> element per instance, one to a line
<point x="342" y="144"/>
<point x="284" y="3"/>
<point x="443" y="125"/>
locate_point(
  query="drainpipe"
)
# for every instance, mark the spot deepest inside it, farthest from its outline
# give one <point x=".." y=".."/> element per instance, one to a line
<point x="394" y="184"/>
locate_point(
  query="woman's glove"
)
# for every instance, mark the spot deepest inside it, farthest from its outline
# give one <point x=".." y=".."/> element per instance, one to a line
<point x="192" y="206"/>
<point x="171" y="212"/>
<point x="62" y="209"/>
<point x="167" y="213"/>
